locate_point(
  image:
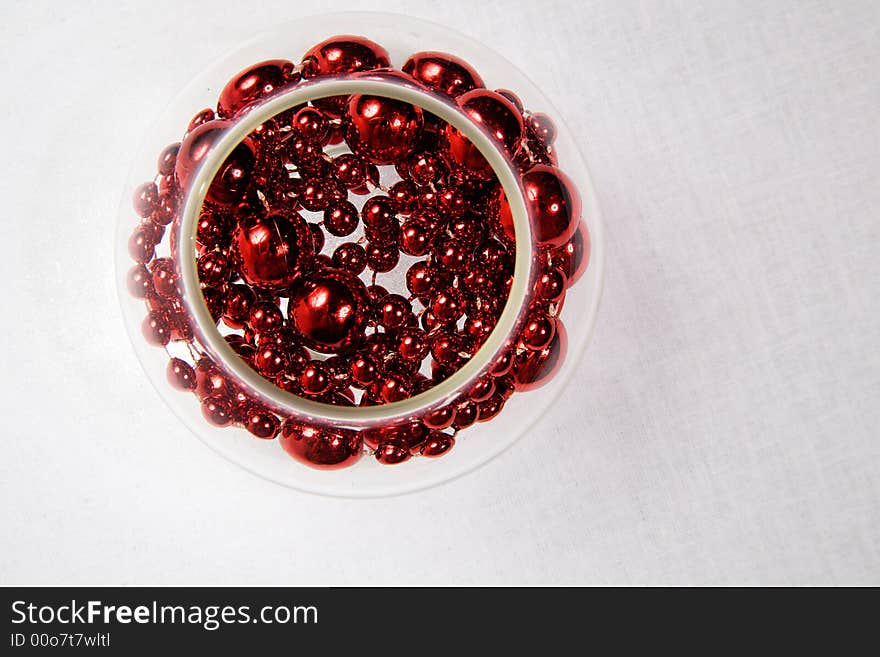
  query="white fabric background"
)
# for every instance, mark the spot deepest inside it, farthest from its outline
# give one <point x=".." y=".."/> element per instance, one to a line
<point x="725" y="428"/>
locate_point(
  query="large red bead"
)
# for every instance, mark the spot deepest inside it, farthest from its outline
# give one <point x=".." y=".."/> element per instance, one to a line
<point x="320" y="448"/>
<point x="253" y="84"/>
<point x="344" y="54"/>
<point x="328" y="309"/>
<point x="533" y="369"/>
<point x="442" y="72"/>
<point x="272" y="251"/>
<point x="234" y="175"/>
<point x="554" y="204"/>
<point x="498" y="117"/>
<point x="382" y="130"/>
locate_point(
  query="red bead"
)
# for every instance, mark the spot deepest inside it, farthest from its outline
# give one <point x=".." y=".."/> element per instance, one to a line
<point x="450" y="349"/>
<point x="437" y="444"/>
<point x="413" y="344"/>
<point x="201" y="118"/>
<point x="503" y="364"/>
<point x="453" y="255"/>
<point x="404" y="195"/>
<point x="415" y="237"/>
<point x="343" y="54"/>
<point x="424" y="168"/>
<point x="550" y="286"/>
<point x="218" y="411"/>
<point x="341" y="218"/>
<point x="513" y="98"/>
<point x="440" y="418"/>
<point x="139" y="281"/>
<point x="465" y="416"/>
<point x="265" y="317"/>
<point x="167" y="159"/>
<point x="328" y="310"/>
<point x="213" y="268"/>
<point x="320" y="448"/>
<point x="482" y="390"/>
<point x="382" y="258"/>
<point x="421" y="279"/>
<point x="394" y="388"/>
<point x="490" y="408"/>
<point x="312" y="125"/>
<point x="498" y="117"/>
<point x="253" y="84"/>
<point x="533" y="369"/>
<point x="479" y="325"/>
<point x="350" y="170"/>
<point x="164" y="277"/>
<point x="156" y="329"/>
<point x="142" y="243"/>
<point x="392" y="453"/>
<point x="442" y="72"/>
<point x="317" y="195"/>
<point x="382" y="130"/>
<point x="574" y="256"/>
<point x="270" y="360"/>
<point x="351" y="257"/>
<point x="364" y="370"/>
<point x="314" y="379"/>
<point x="272" y="251"/>
<point x="210" y="381"/>
<point x="181" y="374"/>
<point x="214" y="230"/>
<point x="145" y="199"/>
<point x="262" y="423"/>
<point x="234" y="174"/>
<point x="554" y="204"/>
<point x="237" y="303"/>
<point x="448" y="305"/>
<point x="395" y="312"/>
<point x="538" y="331"/>
<point x="541" y="127"/>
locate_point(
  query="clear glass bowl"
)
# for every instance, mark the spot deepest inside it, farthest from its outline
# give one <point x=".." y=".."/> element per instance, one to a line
<point x="401" y="36"/>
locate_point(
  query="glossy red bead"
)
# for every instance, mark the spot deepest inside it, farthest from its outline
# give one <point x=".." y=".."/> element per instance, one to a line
<point x="262" y="424"/>
<point x="442" y="72"/>
<point x="437" y="444"/>
<point x="573" y="256"/>
<point x="533" y="369"/>
<point x="139" y="281"/>
<point x="341" y="218"/>
<point x="315" y="379"/>
<point x="218" y="411"/>
<point x="253" y="84"/>
<point x="324" y="449"/>
<point x="181" y="375"/>
<point x="538" y="331"/>
<point x="328" y="310"/>
<point x="271" y="252"/>
<point x="343" y="54"/>
<point x="351" y="257"/>
<point x="382" y="130"/>
<point x="554" y="204"/>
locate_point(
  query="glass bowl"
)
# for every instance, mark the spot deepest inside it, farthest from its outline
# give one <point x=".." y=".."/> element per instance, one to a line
<point x="401" y="36"/>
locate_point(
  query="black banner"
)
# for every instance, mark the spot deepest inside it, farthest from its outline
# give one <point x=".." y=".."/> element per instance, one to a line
<point x="393" y="620"/>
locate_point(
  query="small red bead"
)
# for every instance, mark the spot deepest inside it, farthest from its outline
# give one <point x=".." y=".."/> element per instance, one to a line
<point x="262" y="423"/>
<point x="364" y="370"/>
<point x="448" y="305"/>
<point x="139" y="281"/>
<point x="218" y="411"/>
<point x="156" y="329"/>
<point x="392" y="453"/>
<point x="440" y="418"/>
<point x="490" y="408"/>
<point x="312" y="125"/>
<point x="351" y="257"/>
<point x="413" y="344"/>
<point x="437" y="444"/>
<point x="314" y="379"/>
<point x="181" y="374"/>
<point x="381" y="258"/>
<point x="341" y="218"/>
<point x="164" y="277"/>
<point x="465" y="416"/>
<point x="538" y="331"/>
<point x="146" y="199"/>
